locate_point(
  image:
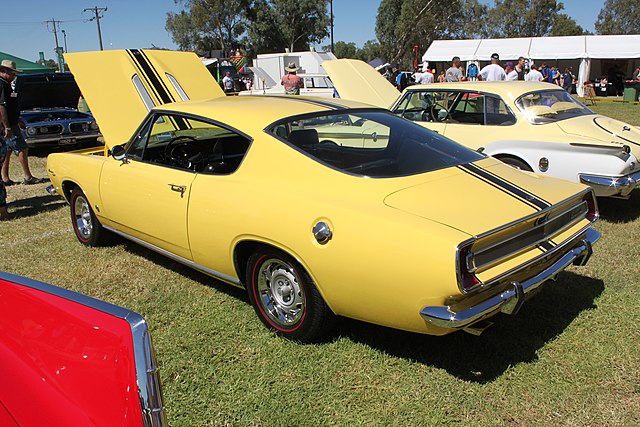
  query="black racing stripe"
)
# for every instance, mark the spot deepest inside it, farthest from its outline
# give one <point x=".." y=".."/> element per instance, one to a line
<point x="143" y="75"/>
<point x="546" y="246"/>
<point x="310" y="101"/>
<point x="146" y="67"/>
<point x="515" y="185"/>
<point x="614" y="134"/>
<point x="157" y="75"/>
<point x="509" y="187"/>
<point x="496" y="186"/>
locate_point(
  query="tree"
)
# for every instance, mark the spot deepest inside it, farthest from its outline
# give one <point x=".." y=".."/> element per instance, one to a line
<point x="619" y="17"/>
<point x="523" y="18"/>
<point x="564" y="25"/>
<point x="208" y="24"/>
<point x="369" y="51"/>
<point x="279" y="24"/>
<point x="401" y="24"/>
<point x="343" y="49"/>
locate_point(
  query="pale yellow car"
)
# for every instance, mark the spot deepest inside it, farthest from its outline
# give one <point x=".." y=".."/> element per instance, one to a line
<point x="319" y="208"/>
<point x="532" y="126"/>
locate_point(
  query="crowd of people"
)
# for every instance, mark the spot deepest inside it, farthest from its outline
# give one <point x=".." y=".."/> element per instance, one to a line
<point x="494" y="71"/>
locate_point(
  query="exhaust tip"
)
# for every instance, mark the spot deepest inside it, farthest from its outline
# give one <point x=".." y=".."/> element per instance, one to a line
<point x="51" y="190"/>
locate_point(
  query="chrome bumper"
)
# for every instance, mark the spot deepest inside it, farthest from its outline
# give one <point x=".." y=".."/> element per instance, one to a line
<point x="511" y="300"/>
<point x="615" y="185"/>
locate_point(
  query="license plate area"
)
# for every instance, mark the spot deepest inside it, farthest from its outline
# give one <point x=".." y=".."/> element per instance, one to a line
<point x="67" y="141"/>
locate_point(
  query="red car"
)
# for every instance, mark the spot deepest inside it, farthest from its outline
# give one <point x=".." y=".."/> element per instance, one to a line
<point x="67" y="359"/>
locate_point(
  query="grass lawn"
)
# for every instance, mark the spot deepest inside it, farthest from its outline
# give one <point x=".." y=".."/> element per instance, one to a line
<point x="571" y="357"/>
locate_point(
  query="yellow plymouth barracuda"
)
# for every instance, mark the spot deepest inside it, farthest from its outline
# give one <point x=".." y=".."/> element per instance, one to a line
<point x="532" y="126"/>
<point x="317" y="207"/>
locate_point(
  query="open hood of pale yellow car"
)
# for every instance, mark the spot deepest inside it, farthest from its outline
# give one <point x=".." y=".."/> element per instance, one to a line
<point x="359" y="81"/>
<point x="121" y="86"/>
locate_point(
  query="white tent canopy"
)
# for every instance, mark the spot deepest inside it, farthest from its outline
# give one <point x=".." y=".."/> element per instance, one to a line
<point x="581" y="48"/>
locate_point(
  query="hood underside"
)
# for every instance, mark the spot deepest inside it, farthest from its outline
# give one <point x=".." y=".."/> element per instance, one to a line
<point x="122" y="86"/>
<point x="47" y="90"/>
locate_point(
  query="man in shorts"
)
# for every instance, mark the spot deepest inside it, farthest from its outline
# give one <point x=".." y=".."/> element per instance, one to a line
<point x="10" y="132"/>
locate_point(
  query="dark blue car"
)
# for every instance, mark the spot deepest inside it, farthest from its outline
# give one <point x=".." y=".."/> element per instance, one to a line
<point x="49" y="113"/>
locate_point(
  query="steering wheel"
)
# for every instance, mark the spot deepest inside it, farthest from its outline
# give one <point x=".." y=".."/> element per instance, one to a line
<point x="180" y="153"/>
<point x="436" y="108"/>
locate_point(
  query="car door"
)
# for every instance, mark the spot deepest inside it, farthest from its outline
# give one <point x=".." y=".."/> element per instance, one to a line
<point x="425" y="107"/>
<point x="146" y="194"/>
<point x="476" y="119"/>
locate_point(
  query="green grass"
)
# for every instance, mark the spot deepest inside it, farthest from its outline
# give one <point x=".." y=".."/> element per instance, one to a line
<point x="571" y="357"/>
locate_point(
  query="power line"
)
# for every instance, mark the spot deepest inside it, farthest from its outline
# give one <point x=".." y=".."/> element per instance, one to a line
<point x="96" y="10"/>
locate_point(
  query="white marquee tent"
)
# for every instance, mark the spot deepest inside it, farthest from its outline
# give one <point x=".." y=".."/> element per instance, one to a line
<point x="577" y="48"/>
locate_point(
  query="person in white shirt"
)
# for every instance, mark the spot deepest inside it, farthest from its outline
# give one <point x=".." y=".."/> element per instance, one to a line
<point x="511" y="73"/>
<point x="493" y="71"/>
<point x="534" y="75"/>
<point x="423" y="78"/>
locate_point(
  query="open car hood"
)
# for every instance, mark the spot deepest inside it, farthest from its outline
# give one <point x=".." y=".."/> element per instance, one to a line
<point x="122" y="86"/>
<point x="359" y="81"/>
<point x="47" y="90"/>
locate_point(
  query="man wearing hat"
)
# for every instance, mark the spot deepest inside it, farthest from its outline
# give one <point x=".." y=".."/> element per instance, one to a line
<point x="10" y="133"/>
<point x="492" y="71"/>
<point x="291" y="82"/>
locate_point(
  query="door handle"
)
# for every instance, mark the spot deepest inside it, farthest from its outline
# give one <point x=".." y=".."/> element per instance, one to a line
<point x="179" y="188"/>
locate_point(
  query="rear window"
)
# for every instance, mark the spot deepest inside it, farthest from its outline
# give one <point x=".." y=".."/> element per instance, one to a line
<point x="371" y="143"/>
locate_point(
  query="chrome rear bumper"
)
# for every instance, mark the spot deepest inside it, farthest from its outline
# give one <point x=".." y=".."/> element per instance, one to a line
<point x="608" y="185"/>
<point x="510" y="300"/>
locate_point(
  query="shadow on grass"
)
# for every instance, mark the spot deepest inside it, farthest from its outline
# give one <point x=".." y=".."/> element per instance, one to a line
<point x="30" y="206"/>
<point x="511" y="340"/>
<point x="618" y="210"/>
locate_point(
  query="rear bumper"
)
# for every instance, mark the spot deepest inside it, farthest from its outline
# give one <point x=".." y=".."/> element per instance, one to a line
<point x="612" y="186"/>
<point x="510" y="300"/>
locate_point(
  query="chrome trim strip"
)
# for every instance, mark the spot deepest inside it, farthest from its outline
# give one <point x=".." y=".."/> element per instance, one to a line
<point x="232" y="280"/>
<point x="153" y="412"/>
<point x="509" y="300"/>
<point x="622" y="183"/>
<point x="474" y="268"/>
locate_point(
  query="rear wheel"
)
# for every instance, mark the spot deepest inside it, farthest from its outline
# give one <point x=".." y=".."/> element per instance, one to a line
<point x="86" y="226"/>
<point x="285" y="298"/>
<point x="516" y="163"/>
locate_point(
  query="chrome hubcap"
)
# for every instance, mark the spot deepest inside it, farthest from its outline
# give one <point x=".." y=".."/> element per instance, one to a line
<point x="82" y="218"/>
<point x="280" y="294"/>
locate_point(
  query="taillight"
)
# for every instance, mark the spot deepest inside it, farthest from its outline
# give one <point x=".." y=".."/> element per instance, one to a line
<point x="467" y="280"/>
<point x="592" y="206"/>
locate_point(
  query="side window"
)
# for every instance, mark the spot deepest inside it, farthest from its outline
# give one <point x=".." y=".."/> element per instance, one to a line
<point x="185" y="143"/>
<point x="415" y="106"/>
<point x="497" y="112"/>
<point x="469" y="109"/>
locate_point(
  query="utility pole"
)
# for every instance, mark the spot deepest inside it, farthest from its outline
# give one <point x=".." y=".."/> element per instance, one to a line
<point x="97" y="10"/>
<point x="64" y="33"/>
<point x="58" y="49"/>
<point x="331" y="13"/>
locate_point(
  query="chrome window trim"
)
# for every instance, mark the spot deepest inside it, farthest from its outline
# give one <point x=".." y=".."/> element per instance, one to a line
<point x="153" y="412"/>
<point x="221" y="276"/>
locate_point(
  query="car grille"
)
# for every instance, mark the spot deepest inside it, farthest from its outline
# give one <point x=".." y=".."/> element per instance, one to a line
<point x="79" y="127"/>
<point x="49" y="129"/>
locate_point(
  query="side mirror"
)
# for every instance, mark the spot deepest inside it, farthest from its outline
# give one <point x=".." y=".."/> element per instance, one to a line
<point x="118" y="153"/>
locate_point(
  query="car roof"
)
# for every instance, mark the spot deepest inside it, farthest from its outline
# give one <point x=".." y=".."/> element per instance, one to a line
<point x="506" y="89"/>
<point x="254" y="113"/>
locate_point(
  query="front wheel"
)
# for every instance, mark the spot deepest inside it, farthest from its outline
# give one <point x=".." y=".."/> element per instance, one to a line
<point x="284" y="297"/>
<point x="86" y="226"/>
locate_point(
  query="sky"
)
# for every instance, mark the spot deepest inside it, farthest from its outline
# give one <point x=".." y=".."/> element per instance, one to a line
<point x="130" y="24"/>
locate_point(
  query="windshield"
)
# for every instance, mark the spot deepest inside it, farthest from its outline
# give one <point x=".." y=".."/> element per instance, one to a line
<point x="548" y="106"/>
<point x="371" y="143"/>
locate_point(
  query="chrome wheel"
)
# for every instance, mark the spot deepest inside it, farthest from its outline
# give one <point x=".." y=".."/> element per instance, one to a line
<point x="280" y="294"/>
<point x="82" y="217"/>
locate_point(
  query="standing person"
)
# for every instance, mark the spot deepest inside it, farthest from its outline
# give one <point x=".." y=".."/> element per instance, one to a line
<point x="567" y="79"/>
<point x="520" y="68"/>
<point x="534" y="75"/>
<point x="423" y="78"/>
<point x="493" y="71"/>
<point x="454" y="73"/>
<point x="636" y="74"/>
<point x="291" y="81"/>
<point x="441" y="77"/>
<point x="472" y="72"/>
<point x="227" y="82"/>
<point x="510" y="71"/>
<point x="9" y="130"/>
<point x="545" y="71"/>
<point x="4" y="214"/>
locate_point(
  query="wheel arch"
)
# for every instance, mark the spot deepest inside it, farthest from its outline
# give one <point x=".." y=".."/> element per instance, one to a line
<point x="501" y="156"/>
